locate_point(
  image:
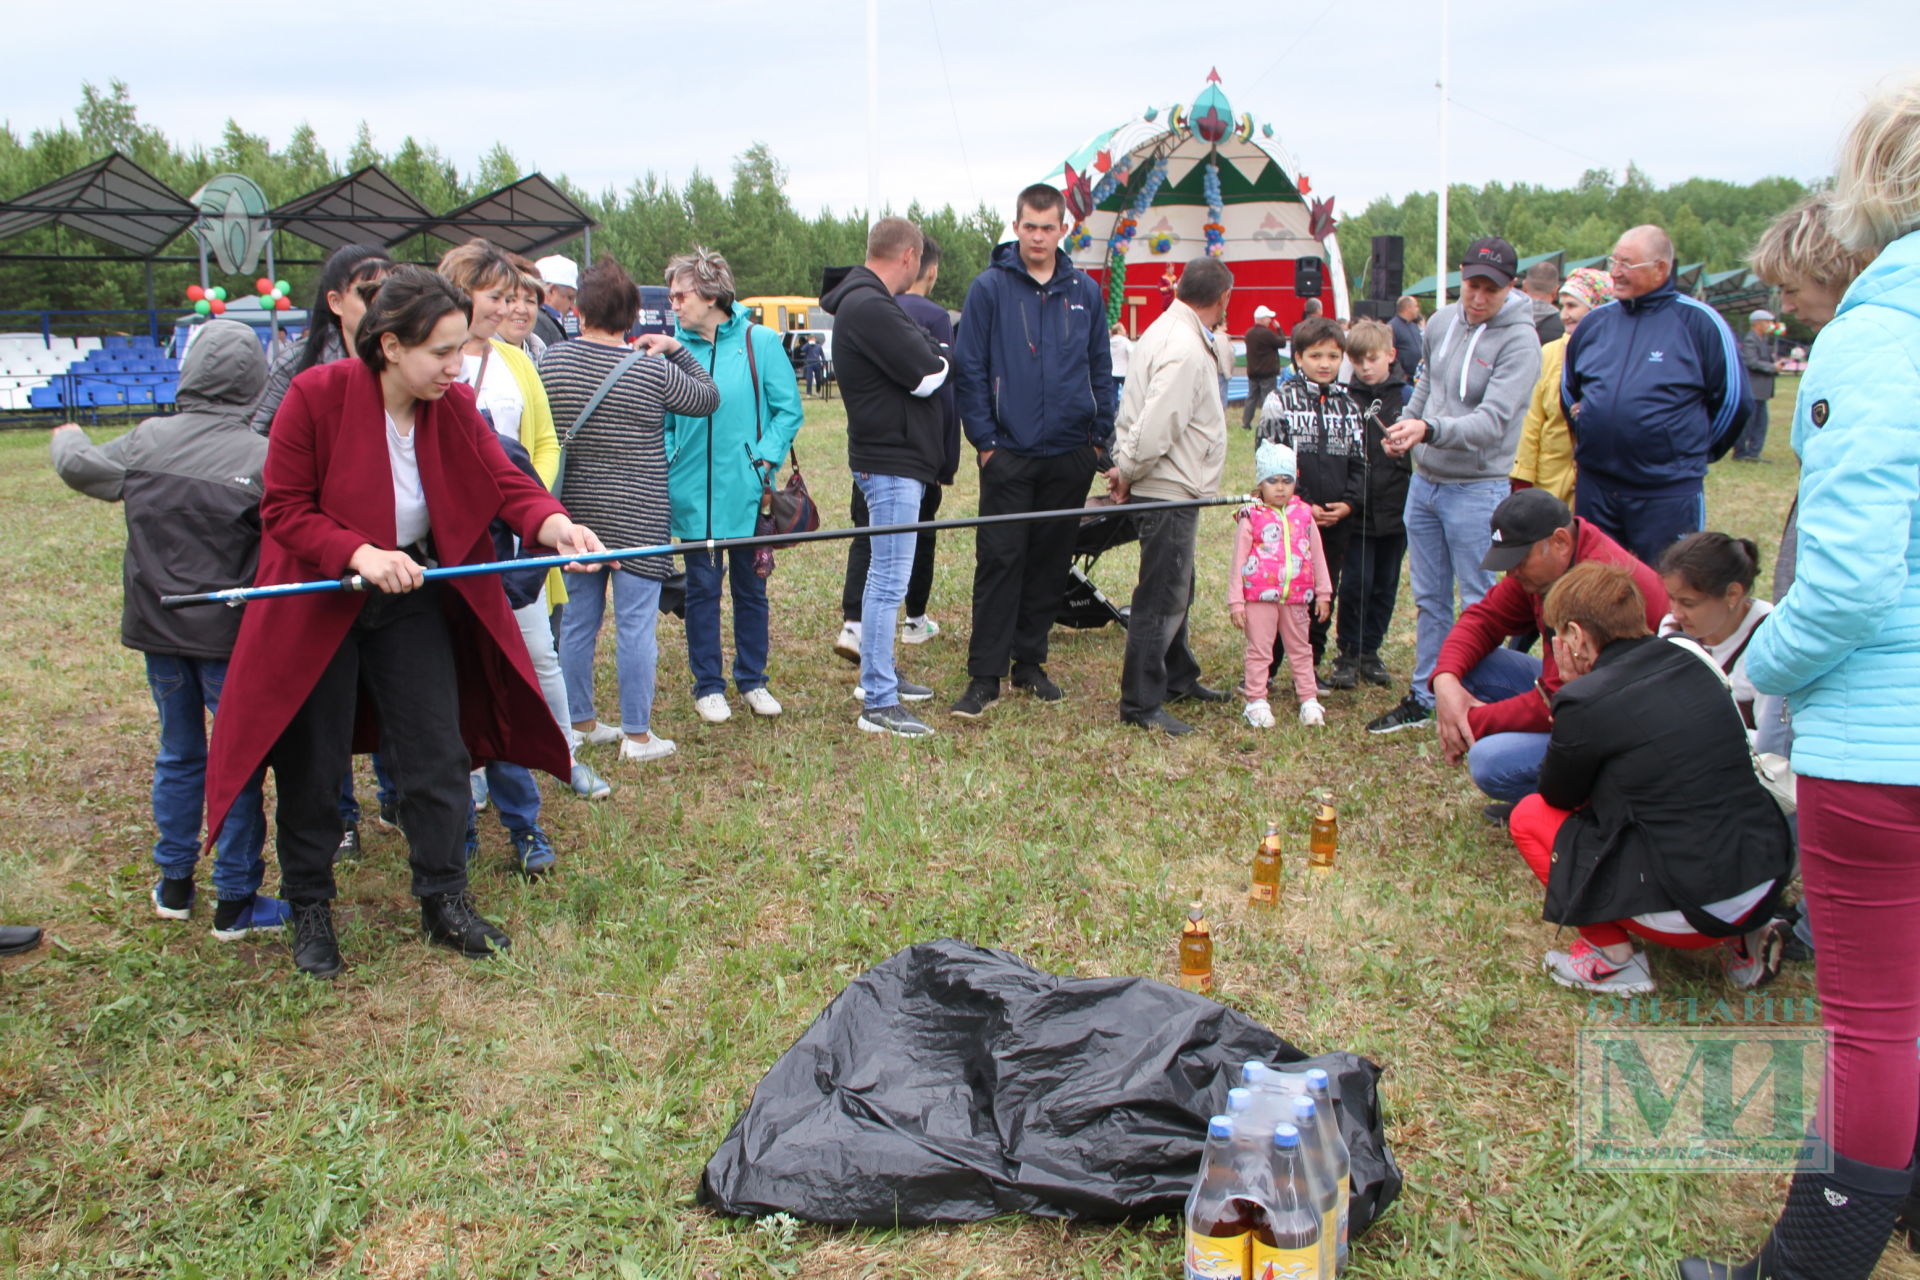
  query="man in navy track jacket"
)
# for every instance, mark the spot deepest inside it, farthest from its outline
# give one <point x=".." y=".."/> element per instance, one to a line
<point x="1654" y="390"/>
<point x="1034" y="381"/>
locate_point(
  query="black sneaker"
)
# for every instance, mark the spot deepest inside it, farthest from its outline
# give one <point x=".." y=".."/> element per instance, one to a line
<point x="896" y="720"/>
<point x="316" y="950"/>
<point x="1158" y="719"/>
<point x="1407" y="714"/>
<point x="981" y="694"/>
<point x="1320" y="686"/>
<point x="1374" y="671"/>
<point x="348" y="850"/>
<point x="1033" y="678"/>
<point x="449" y="920"/>
<point x="1345" y="673"/>
<point x="1499" y="813"/>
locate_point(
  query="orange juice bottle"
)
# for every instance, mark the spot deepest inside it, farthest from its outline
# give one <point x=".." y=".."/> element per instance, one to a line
<point x="1196" y="952"/>
<point x="1264" y="888"/>
<point x="1323" y="842"/>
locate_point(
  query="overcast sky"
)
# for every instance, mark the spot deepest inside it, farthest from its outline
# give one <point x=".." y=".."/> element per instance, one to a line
<point x="980" y="97"/>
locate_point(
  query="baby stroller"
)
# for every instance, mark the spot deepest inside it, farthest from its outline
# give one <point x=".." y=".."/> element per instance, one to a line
<point x="1105" y="526"/>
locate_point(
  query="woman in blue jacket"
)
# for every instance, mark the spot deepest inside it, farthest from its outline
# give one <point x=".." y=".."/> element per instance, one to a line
<point x="1844" y="647"/>
<point x="718" y="470"/>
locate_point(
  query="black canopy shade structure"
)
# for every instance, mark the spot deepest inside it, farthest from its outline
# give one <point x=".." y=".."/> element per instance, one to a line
<point x="524" y="217"/>
<point x="365" y="207"/>
<point x="113" y="200"/>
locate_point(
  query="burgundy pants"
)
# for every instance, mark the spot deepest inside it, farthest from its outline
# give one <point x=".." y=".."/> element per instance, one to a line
<point x="1860" y="865"/>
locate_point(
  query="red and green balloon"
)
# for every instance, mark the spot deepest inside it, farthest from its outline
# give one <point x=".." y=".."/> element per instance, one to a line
<point x="273" y="294"/>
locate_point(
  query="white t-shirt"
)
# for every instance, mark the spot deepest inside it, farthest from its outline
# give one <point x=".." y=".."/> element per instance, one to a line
<point x="499" y="394"/>
<point x="1743" y="690"/>
<point x="1122" y="347"/>
<point x="409" y="501"/>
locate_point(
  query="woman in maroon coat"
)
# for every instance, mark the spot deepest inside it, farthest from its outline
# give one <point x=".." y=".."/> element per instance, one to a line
<point x="378" y="466"/>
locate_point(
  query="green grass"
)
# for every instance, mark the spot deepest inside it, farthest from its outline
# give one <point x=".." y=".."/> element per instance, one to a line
<point x="171" y="1106"/>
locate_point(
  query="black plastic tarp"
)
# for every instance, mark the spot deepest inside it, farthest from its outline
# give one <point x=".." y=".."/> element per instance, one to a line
<point x="953" y="1083"/>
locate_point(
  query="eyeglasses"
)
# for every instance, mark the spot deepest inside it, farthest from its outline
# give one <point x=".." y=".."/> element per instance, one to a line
<point x="1616" y="265"/>
<point x="676" y="297"/>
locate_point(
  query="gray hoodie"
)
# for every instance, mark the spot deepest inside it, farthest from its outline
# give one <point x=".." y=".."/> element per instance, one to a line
<point x="1473" y="392"/>
<point x="190" y="482"/>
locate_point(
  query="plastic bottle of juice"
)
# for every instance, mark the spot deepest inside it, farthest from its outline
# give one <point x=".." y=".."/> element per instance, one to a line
<point x="1323" y="842"/>
<point x="1221" y="1214"/>
<point x="1340" y="1161"/>
<point x="1287" y="1245"/>
<point x="1264" y="888"/>
<point x="1196" y="952"/>
<point x="1329" y="1197"/>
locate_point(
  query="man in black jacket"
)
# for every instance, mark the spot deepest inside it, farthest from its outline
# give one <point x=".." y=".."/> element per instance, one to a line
<point x="889" y="370"/>
<point x="190" y="485"/>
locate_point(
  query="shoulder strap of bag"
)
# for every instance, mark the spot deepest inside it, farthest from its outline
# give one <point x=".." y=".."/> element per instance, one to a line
<point x="600" y="393"/>
<point x="753" y="375"/>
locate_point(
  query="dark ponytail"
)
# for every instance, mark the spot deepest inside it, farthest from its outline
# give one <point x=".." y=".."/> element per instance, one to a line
<point x="347" y="267"/>
<point x="1712" y="562"/>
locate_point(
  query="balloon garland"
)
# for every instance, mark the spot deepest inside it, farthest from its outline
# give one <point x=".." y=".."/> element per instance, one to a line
<point x="207" y="302"/>
<point x="1216" y="210"/>
<point x="273" y="294"/>
<point x="1123" y="233"/>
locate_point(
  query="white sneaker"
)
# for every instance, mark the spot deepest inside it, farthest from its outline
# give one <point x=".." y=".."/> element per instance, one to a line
<point x="654" y="748"/>
<point x="762" y="703"/>
<point x="1259" y="714"/>
<point x="599" y="736"/>
<point x="713" y="708"/>
<point x="1311" y="712"/>
<point x="918" y="630"/>
<point x="847" y="643"/>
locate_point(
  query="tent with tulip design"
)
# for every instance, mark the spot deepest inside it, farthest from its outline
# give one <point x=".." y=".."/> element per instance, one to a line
<point x="1189" y="179"/>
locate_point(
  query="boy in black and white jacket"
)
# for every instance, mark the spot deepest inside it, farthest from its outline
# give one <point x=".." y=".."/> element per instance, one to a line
<point x="1314" y="415"/>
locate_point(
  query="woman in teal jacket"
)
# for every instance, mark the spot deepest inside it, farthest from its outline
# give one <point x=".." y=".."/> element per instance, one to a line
<point x="719" y="469"/>
<point x="1844" y="647"/>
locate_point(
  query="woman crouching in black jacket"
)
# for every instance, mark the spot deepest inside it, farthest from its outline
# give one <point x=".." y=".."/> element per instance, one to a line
<point x="1649" y="821"/>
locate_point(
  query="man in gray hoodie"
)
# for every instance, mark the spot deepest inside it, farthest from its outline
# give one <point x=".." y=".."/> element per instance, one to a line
<point x="190" y="485"/>
<point x="1462" y="426"/>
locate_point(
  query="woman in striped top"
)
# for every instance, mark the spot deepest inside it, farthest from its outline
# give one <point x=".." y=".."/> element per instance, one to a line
<point x="616" y="477"/>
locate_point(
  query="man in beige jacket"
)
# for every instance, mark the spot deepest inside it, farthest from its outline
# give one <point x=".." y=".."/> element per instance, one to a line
<point x="1170" y="443"/>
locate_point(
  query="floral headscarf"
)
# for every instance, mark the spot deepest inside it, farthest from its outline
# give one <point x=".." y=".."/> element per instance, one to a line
<point x="1589" y="285"/>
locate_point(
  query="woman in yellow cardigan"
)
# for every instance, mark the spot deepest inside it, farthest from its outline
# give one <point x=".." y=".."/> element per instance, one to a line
<point x="509" y="394"/>
<point x="1545" y="457"/>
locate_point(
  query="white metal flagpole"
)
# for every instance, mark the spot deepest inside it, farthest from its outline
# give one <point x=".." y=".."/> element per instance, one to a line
<point x="873" y="111"/>
<point x="1440" y="230"/>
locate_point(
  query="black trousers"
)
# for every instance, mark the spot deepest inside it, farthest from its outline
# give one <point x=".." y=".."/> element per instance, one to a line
<point x="1158" y="659"/>
<point x="1020" y="569"/>
<point x="860" y="553"/>
<point x="400" y="652"/>
<point x="1369" y="585"/>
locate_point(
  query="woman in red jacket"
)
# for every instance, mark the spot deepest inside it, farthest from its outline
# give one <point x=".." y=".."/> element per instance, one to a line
<point x="378" y="467"/>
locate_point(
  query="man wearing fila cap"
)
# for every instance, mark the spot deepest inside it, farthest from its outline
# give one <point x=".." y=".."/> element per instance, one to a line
<point x="1494" y="704"/>
<point x="1263" y="363"/>
<point x="1482" y="357"/>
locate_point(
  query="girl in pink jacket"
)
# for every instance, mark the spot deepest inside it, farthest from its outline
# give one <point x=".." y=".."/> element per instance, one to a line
<point x="1279" y="574"/>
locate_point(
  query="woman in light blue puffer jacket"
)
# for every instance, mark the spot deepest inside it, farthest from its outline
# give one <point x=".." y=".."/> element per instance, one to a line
<point x="1844" y="647"/>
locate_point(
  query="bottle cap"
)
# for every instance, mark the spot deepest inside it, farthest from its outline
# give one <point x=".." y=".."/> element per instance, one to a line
<point x="1220" y="1127"/>
<point x="1286" y="1137"/>
<point x="1196" y="911"/>
<point x="1252" y="1072"/>
<point x="1316" y="1081"/>
<point x="1238" y="1100"/>
<point x="1303" y="1107"/>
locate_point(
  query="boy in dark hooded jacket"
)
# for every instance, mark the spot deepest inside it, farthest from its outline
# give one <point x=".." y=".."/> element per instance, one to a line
<point x="1378" y="544"/>
<point x="190" y="485"/>
<point x="1315" y="416"/>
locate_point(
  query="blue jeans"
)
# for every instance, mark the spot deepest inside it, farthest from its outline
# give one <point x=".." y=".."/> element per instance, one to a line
<point x="1449" y="528"/>
<point x="516" y="796"/>
<point x="185" y="692"/>
<point x="703" y="621"/>
<point x="636" y="608"/>
<point x="890" y="500"/>
<point x="1506" y="766"/>
<point x="350" y="805"/>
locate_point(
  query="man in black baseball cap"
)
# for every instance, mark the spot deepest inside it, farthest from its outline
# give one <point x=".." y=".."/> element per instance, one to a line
<point x="1522" y="520"/>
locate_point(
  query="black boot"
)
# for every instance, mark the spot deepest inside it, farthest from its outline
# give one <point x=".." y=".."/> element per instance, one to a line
<point x="316" y="951"/>
<point x="450" y="920"/>
<point x="1834" y="1226"/>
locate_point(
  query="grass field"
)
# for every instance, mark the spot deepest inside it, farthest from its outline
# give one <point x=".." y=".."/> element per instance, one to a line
<point x="173" y="1106"/>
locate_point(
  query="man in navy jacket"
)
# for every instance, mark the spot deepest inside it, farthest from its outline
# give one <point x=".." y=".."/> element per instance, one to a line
<point x="1654" y="390"/>
<point x="1034" y="380"/>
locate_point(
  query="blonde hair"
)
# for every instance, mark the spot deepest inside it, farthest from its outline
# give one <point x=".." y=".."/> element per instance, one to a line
<point x="1368" y="338"/>
<point x="1877" y="182"/>
<point x="479" y="264"/>
<point x="1800" y="245"/>
<point x="1603" y="598"/>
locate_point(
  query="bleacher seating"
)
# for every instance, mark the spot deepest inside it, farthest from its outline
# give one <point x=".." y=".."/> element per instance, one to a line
<point x="63" y="374"/>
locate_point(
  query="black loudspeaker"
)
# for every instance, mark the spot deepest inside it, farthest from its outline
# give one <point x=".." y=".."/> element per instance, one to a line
<point x="1307" y="280"/>
<point x="1380" y="309"/>
<point x="1387" y="271"/>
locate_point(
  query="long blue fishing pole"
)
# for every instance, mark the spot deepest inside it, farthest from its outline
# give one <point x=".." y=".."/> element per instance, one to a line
<point x="353" y="582"/>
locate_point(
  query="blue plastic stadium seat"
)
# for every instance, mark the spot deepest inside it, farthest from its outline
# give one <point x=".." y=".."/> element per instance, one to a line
<point x="45" y="398"/>
<point x="116" y="340"/>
